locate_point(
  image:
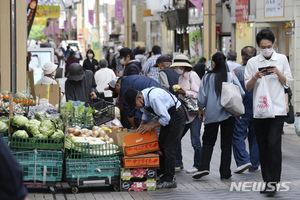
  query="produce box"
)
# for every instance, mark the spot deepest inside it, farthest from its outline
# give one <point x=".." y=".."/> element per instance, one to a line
<point x="48" y="91"/>
<point x="36" y="143"/>
<point x="92" y="168"/>
<point x="39" y="165"/>
<point x="138" y="143"/>
<point x="148" y="185"/>
<point x="141" y="161"/>
<point x="128" y="174"/>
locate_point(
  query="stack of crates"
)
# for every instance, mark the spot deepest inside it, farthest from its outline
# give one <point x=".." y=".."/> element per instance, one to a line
<point x="92" y="164"/>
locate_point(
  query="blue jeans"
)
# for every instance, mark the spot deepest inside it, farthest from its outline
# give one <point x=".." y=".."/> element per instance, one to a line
<point x="194" y="127"/>
<point x="245" y="128"/>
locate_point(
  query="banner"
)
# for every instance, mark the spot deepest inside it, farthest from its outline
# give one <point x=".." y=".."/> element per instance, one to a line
<point x="241" y="29"/>
<point x="48" y="11"/>
<point x="91" y="17"/>
<point x="119" y="10"/>
<point x="241" y="11"/>
<point x="197" y="4"/>
<point x="195" y="45"/>
<point x="31" y="11"/>
<point x="274" y="8"/>
<point x="96" y="43"/>
<point x="40" y="21"/>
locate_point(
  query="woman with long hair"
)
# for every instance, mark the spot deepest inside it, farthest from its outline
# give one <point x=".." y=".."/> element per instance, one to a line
<point x="209" y="98"/>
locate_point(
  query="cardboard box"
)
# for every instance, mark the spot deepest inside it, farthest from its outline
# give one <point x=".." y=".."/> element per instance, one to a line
<point x="148" y="185"/>
<point x="48" y="91"/>
<point x="138" y="143"/>
<point x="141" y="161"/>
<point x="129" y="174"/>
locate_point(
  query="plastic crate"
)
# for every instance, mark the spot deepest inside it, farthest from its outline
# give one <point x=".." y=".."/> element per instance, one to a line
<point x="82" y="121"/>
<point x="36" y="143"/>
<point x="105" y="114"/>
<point x="40" y="165"/>
<point x="92" y="168"/>
<point x="80" y="150"/>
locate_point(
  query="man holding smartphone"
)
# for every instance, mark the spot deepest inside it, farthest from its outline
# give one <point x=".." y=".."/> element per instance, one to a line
<point x="276" y="69"/>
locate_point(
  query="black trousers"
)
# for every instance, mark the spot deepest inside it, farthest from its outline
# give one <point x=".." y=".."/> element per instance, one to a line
<point x="168" y="140"/>
<point x="268" y="134"/>
<point x="209" y="139"/>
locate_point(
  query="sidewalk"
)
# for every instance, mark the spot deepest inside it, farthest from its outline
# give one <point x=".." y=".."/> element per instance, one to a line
<point x="209" y="187"/>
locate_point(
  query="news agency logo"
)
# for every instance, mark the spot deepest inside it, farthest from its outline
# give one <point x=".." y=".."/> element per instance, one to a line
<point x="258" y="186"/>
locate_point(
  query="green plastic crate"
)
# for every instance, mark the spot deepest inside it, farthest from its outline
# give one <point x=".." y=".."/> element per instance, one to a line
<point x="41" y="165"/>
<point x="82" y="121"/>
<point x="36" y="143"/>
<point x="92" y="168"/>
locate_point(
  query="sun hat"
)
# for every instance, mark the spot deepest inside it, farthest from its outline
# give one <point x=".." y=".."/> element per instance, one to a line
<point x="49" y="67"/>
<point x="76" y="72"/>
<point x="161" y="59"/>
<point x="181" y="61"/>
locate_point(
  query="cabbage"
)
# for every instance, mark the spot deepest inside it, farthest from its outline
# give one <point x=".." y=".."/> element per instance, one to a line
<point x="19" y="121"/>
<point x="59" y="123"/>
<point x="40" y="116"/>
<point x="47" y="127"/>
<point x="3" y="127"/>
<point x="21" y="134"/>
<point x="33" y="127"/>
<point x="40" y="136"/>
<point x="58" y="135"/>
<point x="4" y="119"/>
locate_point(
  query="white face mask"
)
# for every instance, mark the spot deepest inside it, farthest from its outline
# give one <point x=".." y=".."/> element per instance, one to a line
<point x="266" y="52"/>
<point x="90" y="55"/>
<point x="178" y="70"/>
<point x="111" y="51"/>
<point x="122" y="61"/>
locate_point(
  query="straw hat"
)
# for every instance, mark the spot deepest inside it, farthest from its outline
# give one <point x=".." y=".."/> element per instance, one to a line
<point x="181" y="60"/>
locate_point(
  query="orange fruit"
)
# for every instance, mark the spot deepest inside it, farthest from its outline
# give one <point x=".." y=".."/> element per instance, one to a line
<point x="5" y="96"/>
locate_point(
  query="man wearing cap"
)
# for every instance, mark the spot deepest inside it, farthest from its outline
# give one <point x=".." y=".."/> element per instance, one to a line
<point x="167" y="77"/>
<point x="80" y="85"/>
<point x="148" y="67"/>
<point x="119" y="85"/>
<point x="171" y="115"/>
<point x="131" y="66"/>
<point x="231" y="58"/>
<point x="49" y="69"/>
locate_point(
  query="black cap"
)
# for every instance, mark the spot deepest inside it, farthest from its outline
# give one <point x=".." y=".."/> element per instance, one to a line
<point x="76" y="72"/>
<point x="130" y="97"/>
<point x="161" y="59"/>
<point x="124" y="52"/>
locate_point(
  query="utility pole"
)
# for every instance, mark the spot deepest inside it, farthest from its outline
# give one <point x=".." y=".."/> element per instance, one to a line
<point x="128" y="23"/>
<point x="69" y="23"/>
<point x="209" y="23"/>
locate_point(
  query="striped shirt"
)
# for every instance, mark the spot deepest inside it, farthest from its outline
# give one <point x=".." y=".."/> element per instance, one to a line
<point x="149" y="69"/>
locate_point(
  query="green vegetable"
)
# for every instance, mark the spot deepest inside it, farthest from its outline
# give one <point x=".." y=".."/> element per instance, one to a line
<point x="21" y="134"/>
<point x="40" y="116"/>
<point x="40" y="136"/>
<point x="47" y="127"/>
<point x="19" y="121"/>
<point x="4" y="119"/>
<point x="3" y="127"/>
<point x="58" y="135"/>
<point x="33" y="127"/>
<point x="59" y="123"/>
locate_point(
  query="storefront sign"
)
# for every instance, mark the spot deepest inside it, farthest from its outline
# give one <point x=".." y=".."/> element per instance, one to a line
<point x="48" y="11"/>
<point x="119" y="10"/>
<point x="274" y="8"/>
<point x="241" y="11"/>
<point x="40" y="21"/>
<point x="197" y="4"/>
<point x="31" y="12"/>
<point x="290" y="33"/>
<point x="195" y="44"/>
<point x="241" y="29"/>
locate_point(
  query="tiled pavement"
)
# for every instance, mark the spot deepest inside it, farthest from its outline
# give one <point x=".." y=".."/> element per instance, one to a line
<point x="209" y="187"/>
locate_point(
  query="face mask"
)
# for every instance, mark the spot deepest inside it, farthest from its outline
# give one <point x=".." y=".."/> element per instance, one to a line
<point x="266" y="52"/>
<point x="122" y="61"/>
<point x="178" y="70"/>
<point x="90" y="55"/>
<point x="111" y="51"/>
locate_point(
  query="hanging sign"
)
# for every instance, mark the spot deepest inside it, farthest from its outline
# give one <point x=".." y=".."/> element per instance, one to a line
<point x="31" y="10"/>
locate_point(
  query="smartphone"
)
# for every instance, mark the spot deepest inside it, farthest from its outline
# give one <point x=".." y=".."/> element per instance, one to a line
<point x="265" y="68"/>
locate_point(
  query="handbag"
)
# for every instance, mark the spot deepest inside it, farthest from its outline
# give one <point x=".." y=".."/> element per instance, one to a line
<point x="231" y="98"/>
<point x="290" y="119"/>
<point x="263" y="106"/>
<point x="190" y="103"/>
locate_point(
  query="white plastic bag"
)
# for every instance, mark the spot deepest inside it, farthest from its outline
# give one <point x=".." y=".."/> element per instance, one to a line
<point x="263" y="106"/>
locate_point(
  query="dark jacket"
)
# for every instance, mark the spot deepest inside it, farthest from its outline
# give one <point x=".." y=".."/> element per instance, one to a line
<point x="248" y="98"/>
<point x="172" y="78"/>
<point x="80" y="90"/>
<point x="88" y="65"/>
<point x="139" y="83"/>
<point x="11" y="175"/>
<point x="199" y="68"/>
<point x="133" y="67"/>
<point x="70" y="60"/>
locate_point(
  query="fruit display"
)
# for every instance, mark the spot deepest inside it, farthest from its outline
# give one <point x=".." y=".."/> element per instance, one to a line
<point x="4" y="107"/>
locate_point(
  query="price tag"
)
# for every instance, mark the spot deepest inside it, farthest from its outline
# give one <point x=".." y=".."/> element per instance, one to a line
<point x="127" y="174"/>
<point x="150" y="184"/>
<point x="139" y="184"/>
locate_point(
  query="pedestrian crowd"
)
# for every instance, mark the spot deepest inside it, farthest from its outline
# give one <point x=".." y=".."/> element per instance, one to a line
<point x="174" y="97"/>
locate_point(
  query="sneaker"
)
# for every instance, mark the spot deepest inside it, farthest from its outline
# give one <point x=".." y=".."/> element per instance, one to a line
<point x="269" y="190"/>
<point x="166" y="184"/>
<point x="200" y="174"/>
<point x="254" y="170"/>
<point x="242" y="168"/>
<point x="177" y="169"/>
<point x="192" y="170"/>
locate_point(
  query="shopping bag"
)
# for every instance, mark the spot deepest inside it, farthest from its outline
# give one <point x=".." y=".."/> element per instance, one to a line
<point x="231" y="98"/>
<point x="263" y="106"/>
<point x="290" y="119"/>
<point x="190" y="104"/>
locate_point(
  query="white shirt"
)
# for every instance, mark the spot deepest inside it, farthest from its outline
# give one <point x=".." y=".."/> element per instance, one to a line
<point x="232" y="65"/>
<point x="102" y="78"/>
<point x="275" y="87"/>
<point x="46" y="80"/>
